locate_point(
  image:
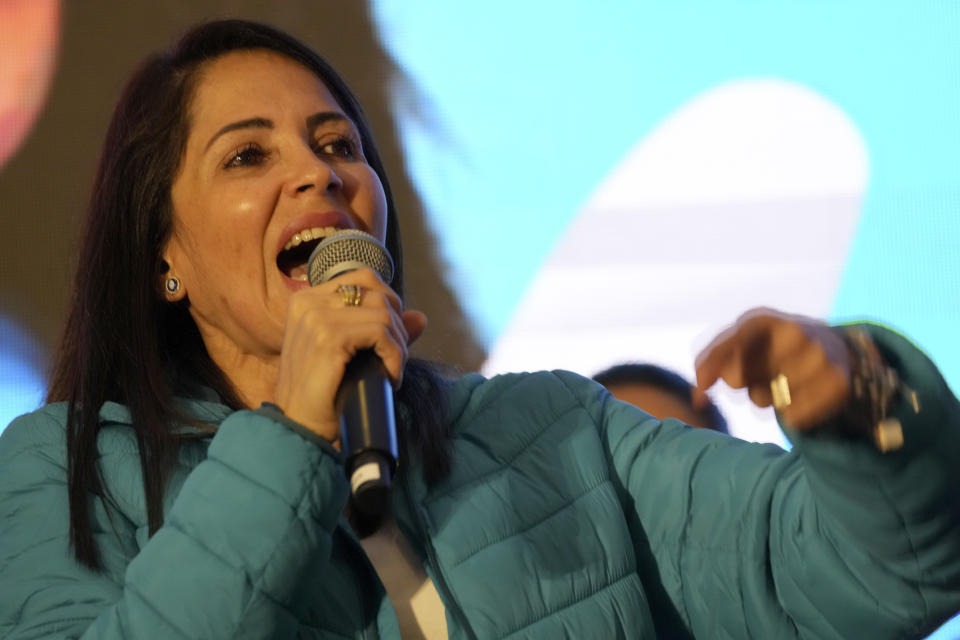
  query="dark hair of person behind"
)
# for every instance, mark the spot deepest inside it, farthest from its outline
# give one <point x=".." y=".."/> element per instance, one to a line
<point x="122" y="341"/>
<point x="671" y="382"/>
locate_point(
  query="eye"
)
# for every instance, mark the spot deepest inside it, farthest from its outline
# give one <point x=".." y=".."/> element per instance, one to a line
<point x="340" y="147"/>
<point x="249" y="155"/>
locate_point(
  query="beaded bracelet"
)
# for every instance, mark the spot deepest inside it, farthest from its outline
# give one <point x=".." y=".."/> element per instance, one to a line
<point x="875" y="389"/>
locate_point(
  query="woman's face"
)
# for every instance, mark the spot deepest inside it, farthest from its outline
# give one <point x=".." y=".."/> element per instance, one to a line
<point x="270" y="155"/>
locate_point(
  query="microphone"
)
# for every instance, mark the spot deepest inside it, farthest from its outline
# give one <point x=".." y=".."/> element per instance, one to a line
<point x="368" y="432"/>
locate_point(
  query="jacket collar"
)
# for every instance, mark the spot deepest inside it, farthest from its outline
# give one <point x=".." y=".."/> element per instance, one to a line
<point x="206" y="409"/>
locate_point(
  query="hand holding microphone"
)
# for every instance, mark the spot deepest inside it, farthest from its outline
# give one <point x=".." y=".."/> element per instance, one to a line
<point x="345" y="342"/>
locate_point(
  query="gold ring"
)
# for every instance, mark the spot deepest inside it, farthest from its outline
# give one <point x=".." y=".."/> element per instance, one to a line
<point x="780" y="390"/>
<point x="352" y="294"/>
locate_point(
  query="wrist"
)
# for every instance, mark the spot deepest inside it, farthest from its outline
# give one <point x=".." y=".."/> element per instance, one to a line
<point x="328" y="436"/>
<point x="875" y="389"/>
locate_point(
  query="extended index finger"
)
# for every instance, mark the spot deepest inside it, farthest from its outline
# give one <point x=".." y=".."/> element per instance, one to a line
<point x="712" y="359"/>
<point x="734" y="350"/>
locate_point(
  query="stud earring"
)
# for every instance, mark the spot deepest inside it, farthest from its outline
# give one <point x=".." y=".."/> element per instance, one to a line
<point x="173" y="285"/>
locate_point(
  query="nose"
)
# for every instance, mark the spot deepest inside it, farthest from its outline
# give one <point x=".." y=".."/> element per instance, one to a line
<point x="312" y="172"/>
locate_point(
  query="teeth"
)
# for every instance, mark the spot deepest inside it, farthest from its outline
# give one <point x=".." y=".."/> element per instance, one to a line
<point x="302" y="277"/>
<point x="306" y="235"/>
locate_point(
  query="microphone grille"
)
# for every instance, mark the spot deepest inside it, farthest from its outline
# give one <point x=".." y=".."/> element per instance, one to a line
<point x="346" y="250"/>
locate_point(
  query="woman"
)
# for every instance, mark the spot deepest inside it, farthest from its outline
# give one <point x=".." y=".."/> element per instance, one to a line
<point x="191" y="435"/>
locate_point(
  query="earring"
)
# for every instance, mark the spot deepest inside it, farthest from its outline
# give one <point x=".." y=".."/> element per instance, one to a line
<point x="173" y="285"/>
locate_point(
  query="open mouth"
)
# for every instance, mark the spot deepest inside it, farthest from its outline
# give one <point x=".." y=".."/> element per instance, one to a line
<point x="292" y="260"/>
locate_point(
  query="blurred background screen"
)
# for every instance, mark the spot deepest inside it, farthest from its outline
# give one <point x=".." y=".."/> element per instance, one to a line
<point x="620" y="180"/>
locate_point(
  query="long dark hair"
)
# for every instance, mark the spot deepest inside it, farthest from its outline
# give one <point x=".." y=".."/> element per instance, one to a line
<point x="122" y="341"/>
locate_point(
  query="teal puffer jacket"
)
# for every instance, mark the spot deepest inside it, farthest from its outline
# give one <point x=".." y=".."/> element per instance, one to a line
<point x="567" y="515"/>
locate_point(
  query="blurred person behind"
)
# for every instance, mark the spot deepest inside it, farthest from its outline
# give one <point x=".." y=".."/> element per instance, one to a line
<point x="662" y="393"/>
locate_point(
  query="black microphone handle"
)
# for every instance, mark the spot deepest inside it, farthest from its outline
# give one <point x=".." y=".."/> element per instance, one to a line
<point x="368" y="431"/>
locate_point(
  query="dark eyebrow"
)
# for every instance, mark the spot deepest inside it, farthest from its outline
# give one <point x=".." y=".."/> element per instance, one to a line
<point x="261" y="123"/>
<point x="318" y="119"/>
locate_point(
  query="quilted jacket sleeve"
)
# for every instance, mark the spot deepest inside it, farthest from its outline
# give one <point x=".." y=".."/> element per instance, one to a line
<point x="245" y="523"/>
<point x="831" y="540"/>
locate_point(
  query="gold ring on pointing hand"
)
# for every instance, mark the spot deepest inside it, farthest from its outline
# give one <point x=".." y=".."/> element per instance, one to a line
<point x="780" y="390"/>
<point x="352" y="294"/>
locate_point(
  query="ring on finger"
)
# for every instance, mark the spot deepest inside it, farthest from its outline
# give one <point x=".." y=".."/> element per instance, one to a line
<point x="352" y="294"/>
<point x="780" y="390"/>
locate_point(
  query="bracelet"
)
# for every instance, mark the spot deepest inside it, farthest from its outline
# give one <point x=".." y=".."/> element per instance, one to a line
<point x="875" y="389"/>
